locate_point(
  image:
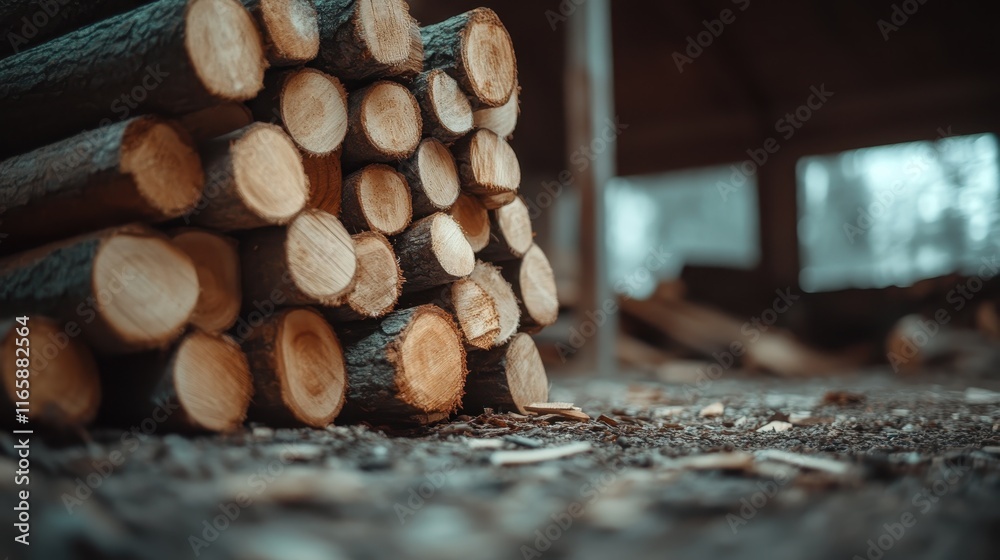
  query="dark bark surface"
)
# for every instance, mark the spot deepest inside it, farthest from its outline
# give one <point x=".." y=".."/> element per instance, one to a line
<point x="28" y="23"/>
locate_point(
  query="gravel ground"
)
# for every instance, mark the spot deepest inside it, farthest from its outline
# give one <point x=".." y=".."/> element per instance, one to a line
<point x="868" y="466"/>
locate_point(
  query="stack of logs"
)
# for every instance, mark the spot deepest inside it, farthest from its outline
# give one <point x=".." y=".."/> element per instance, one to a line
<point x="287" y="211"/>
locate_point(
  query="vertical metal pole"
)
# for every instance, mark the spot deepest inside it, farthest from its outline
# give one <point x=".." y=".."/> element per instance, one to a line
<point x="590" y="114"/>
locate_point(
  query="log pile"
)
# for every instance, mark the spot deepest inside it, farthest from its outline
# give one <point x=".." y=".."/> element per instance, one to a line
<point x="292" y="212"/>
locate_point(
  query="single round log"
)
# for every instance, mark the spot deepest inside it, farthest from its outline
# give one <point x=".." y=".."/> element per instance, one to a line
<point x="59" y="379"/>
<point x="289" y="29"/>
<point x="127" y="289"/>
<point x="298" y="370"/>
<point x="383" y="125"/>
<point x="310" y="261"/>
<point x="378" y="281"/>
<point x="433" y="178"/>
<point x="217" y="120"/>
<point x="474" y="220"/>
<point x="376" y="198"/>
<point x="364" y="40"/>
<point x="144" y="169"/>
<point x="254" y="178"/>
<point x="510" y="232"/>
<point x="535" y="285"/>
<point x="444" y="108"/>
<point x="506" y="379"/>
<point x="408" y="367"/>
<point x="502" y="119"/>
<point x="216" y="258"/>
<point x="433" y="252"/>
<point x="169" y="57"/>
<point x="476" y="50"/>
<point x="202" y="384"/>
<point x="488" y="167"/>
<point x="310" y="105"/>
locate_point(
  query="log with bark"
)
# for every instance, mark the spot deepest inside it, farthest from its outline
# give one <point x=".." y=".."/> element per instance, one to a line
<point x="474" y="220"/>
<point x="254" y="178"/>
<point x="433" y="178"/>
<point x="506" y="379"/>
<point x="444" y="108"/>
<point x="168" y="57"/>
<point x="217" y="120"/>
<point x="216" y="257"/>
<point x="298" y="370"/>
<point x="408" y="367"/>
<point x="483" y="303"/>
<point x="510" y="232"/>
<point x="310" y="105"/>
<point x="289" y="29"/>
<point x="202" y="383"/>
<point x="488" y="167"/>
<point x="476" y="50"/>
<point x="383" y="125"/>
<point x="126" y="289"/>
<point x="143" y="169"/>
<point x="52" y="369"/>
<point x="361" y="40"/>
<point x="378" y="281"/>
<point x="376" y="198"/>
<point x="502" y="119"/>
<point x="433" y="252"/>
<point x="535" y="286"/>
<point x="309" y="261"/>
<point x="325" y="181"/>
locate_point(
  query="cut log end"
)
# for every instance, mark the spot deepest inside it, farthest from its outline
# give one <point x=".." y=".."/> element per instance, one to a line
<point x="510" y="232"/>
<point x="376" y="198"/>
<point x="474" y="219"/>
<point x="65" y="384"/>
<point x="488" y="58"/>
<point x="491" y="280"/>
<point x="225" y="48"/>
<point x="385" y="29"/>
<point x="537" y="287"/>
<point x="322" y="260"/>
<point x="506" y="378"/>
<point x="391" y="119"/>
<point x="314" y="111"/>
<point x="268" y="174"/>
<point x="154" y="286"/>
<point x="488" y="167"/>
<point x="431" y="363"/>
<point x="502" y="119"/>
<point x="378" y="283"/>
<point x="216" y="259"/>
<point x="212" y="380"/>
<point x="433" y="178"/>
<point x="446" y="111"/>
<point x="290" y="30"/>
<point x="449" y="245"/>
<point x="166" y="169"/>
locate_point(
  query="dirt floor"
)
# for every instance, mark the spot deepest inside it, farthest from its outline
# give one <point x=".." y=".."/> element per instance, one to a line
<point x="869" y="466"/>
